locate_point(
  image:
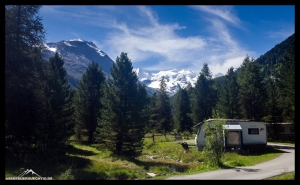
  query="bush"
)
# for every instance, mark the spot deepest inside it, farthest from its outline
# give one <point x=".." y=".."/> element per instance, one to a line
<point x="214" y="148"/>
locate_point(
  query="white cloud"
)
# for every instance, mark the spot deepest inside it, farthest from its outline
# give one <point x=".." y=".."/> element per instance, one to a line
<point x="224" y="12"/>
<point x="223" y="67"/>
<point x="153" y="40"/>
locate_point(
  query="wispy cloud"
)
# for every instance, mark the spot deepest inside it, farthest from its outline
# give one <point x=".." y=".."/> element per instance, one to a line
<point x="154" y="40"/>
<point x="83" y="14"/>
<point x="224" y="12"/>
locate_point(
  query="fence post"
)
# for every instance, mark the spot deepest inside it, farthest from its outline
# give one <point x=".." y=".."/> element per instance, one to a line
<point x="153" y="138"/>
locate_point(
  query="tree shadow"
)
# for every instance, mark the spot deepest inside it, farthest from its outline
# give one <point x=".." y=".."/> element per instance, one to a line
<point x="52" y="165"/>
<point x="268" y="150"/>
<point x="76" y="151"/>
<point x="246" y="169"/>
<point x="90" y="175"/>
<point x="224" y="166"/>
<point x="283" y="147"/>
<point x="176" y="167"/>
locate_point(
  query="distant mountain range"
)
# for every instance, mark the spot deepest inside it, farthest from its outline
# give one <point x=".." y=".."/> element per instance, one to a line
<point x="174" y="79"/>
<point x="78" y="54"/>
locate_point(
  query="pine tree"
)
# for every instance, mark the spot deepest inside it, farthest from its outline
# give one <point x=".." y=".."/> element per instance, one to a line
<point x="87" y="101"/>
<point x="165" y="121"/>
<point x="228" y="104"/>
<point x="203" y="97"/>
<point x="153" y="117"/>
<point x="189" y="89"/>
<point x="58" y="120"/>
<point x="182" y="111"/>
<point x="252" y="93"/>
<point x="273" y="111"/>
<point x="24" y="39"/>
<point x="122" y="126"/>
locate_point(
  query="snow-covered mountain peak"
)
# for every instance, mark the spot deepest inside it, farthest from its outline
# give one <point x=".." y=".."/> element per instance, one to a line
<point x="53" y="49"/>
<point x="77" y="55"/>
<point x="142" y="74"/>
<point x="174" y="79"/>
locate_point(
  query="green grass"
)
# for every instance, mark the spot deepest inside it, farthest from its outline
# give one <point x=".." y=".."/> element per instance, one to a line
<point x="165" y="157"/>
<point x="284" y="176"/>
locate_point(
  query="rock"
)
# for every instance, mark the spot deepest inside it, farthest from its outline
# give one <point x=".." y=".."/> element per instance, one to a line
<point x="153" y="157"/>
<point x="150" y="175"/>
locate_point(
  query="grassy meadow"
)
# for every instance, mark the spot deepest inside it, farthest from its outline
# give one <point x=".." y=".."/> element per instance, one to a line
<point x="164" y="158"/>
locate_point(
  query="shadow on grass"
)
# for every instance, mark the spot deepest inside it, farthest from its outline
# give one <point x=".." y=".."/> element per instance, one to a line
<point x="282" y="147"/>
<point x="54" y="166"/>
<point x="89" y="175"/>
<point x="178" y="167"/>
<point x="268" y="150"/>
<point x="173" y="166"/>
<point x="75" y="151"/>
<point x="224" y="166"/>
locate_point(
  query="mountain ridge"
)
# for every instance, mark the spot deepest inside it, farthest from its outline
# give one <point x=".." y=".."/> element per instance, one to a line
<point x="78" y="54"/>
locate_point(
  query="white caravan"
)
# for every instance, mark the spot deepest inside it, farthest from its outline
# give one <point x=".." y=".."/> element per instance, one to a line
<point x="245" y="134"/>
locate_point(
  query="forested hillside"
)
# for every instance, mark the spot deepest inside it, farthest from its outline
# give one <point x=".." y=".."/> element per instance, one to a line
<point x="270" y="59"/>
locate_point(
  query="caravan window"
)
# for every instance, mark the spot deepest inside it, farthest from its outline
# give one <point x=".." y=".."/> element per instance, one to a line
<point x="253" y="131"/>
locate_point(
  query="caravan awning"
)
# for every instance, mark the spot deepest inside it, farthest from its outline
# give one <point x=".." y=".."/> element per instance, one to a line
<point x="232" y="127"/>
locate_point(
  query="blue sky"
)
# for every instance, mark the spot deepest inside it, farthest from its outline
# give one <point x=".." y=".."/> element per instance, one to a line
<point x="164" y="37"/>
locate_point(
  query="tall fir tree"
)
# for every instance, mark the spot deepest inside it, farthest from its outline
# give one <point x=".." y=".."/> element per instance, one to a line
<point x="153" y="111"/>
<point x="203" y="97"/>
<point x="182" y="111"/>
<point x="24" y="39"/>
<point x="228" y="104"/>
<point x="165" y="121"/>
<point x="58" y="123"/>
<point x="87" y="101"/>
<point x="273" y="112"/>
<point x="122" y="126"/>
<point x="189" y="89"/>
<point x="252" y="93"/>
